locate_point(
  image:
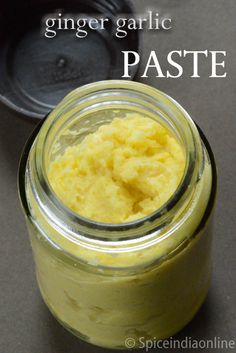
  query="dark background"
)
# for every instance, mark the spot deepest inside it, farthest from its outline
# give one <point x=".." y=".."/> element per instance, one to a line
<point x="26" y="326"/>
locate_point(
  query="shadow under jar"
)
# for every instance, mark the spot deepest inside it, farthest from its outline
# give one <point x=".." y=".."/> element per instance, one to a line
<point x="108" y="282"/>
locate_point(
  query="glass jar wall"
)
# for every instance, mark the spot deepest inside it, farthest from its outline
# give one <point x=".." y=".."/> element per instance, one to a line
<point x="108" y="282"/>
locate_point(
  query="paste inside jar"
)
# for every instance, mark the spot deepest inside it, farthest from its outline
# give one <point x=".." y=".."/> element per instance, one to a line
<point x="124" y="171"/>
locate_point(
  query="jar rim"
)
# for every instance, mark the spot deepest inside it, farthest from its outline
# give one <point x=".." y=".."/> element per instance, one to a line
<point x="160" y="215"/>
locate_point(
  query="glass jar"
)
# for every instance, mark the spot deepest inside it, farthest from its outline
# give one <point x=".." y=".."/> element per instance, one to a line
<point x="108" y="282"/>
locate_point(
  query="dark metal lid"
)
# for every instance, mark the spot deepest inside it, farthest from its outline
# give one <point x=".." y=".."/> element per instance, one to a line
<point x="37" y="72"/>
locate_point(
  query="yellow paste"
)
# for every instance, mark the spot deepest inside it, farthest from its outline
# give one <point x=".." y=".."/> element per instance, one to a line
<point x="125" y="170"/>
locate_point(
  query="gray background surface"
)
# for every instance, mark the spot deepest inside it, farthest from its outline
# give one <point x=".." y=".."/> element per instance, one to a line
<point x="26" y="326"/>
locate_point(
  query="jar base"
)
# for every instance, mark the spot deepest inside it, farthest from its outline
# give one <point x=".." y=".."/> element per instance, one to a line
<point x="86" y="339"/>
